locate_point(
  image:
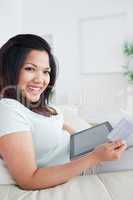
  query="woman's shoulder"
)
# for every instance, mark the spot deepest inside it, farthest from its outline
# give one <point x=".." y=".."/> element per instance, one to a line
<point x="12" y="107"/>
<point x="12" y="117"/>
<point x="8" y="101"/>
<point x="12" y="104"/>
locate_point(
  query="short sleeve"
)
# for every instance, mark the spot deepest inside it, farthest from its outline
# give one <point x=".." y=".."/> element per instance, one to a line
<point x="12" y="120"/>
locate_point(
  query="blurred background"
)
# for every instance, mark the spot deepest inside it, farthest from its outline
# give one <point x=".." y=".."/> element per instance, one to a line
<point x="87" y="38"/>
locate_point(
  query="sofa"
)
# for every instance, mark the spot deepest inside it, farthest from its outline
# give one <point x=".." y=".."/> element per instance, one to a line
<point x="106" y="186"/>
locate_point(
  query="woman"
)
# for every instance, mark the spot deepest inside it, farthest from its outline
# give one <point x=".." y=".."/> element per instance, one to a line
<point x="32" y="141"/>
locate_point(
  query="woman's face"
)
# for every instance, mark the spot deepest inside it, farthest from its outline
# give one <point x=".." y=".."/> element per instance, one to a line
<point x="34" y="75"/>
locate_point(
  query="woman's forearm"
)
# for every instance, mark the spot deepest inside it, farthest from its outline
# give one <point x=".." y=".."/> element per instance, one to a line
<point x="69" y="128"/>
<point x="55" y="175"/>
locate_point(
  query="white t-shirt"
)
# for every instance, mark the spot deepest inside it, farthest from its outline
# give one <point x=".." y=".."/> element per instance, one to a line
<point x="51" y="142"/>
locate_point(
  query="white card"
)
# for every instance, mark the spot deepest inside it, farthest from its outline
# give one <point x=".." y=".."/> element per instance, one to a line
<point x="121" y="131"/>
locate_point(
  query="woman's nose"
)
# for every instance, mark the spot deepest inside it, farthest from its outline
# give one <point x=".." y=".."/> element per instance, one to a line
<point x="39" y="77"/>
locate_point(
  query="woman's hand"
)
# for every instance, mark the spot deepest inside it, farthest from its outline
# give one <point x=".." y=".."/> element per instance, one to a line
<point x="109" y="151"/>
<point x="68" y="128"/>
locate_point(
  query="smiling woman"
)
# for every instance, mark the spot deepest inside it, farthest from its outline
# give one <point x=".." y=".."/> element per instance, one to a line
<point x="35" y="134"/>
<point x="27" y="70"/>
<point x="34" y="75"/>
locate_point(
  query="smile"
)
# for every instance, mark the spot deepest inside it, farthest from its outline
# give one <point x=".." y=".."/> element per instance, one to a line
<point x="34" y="89"/>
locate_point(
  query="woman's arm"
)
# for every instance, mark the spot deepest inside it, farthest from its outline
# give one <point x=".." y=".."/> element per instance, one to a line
<point x="18" y="153"/>
<point x="68" y="128"/>
<point x="60" y="174"/>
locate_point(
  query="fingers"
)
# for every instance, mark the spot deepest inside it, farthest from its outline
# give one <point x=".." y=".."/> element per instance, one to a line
<point x="121" y="148"/>
<point x="117" y="144"/>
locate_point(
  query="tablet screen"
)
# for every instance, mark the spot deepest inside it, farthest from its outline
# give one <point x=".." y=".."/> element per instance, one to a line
<point x="86" y="140"/>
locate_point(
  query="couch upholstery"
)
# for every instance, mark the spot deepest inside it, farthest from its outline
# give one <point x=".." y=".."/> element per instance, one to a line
<point x="108" y="186"/>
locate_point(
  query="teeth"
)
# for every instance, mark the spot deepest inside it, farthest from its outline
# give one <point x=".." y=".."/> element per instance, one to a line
<point x="35" y="89"/>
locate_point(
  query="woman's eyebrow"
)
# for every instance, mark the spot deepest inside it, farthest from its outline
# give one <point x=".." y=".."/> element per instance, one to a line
<point x="46" y="68"/>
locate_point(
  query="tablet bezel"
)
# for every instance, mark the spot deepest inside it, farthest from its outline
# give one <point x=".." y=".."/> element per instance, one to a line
<point x="72" y="155"/>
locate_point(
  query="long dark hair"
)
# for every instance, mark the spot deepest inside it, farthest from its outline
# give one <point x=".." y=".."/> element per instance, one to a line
<point x="12" y="57"/>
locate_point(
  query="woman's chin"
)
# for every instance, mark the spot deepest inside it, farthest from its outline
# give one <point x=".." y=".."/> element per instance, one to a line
<point x="33" y="99"/>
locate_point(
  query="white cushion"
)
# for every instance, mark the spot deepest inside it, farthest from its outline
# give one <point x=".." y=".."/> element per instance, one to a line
<point x="110" y="186"/>
<point x="71" y="115"/>
<point x="5" y="177"/>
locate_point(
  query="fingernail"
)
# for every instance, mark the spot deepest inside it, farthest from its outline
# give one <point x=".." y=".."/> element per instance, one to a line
<point x="124" y="142"/>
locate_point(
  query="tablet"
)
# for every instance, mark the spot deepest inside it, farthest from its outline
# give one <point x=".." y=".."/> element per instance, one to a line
<point x="85" y="141"/>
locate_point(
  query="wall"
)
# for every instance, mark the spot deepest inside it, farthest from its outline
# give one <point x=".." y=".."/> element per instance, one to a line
<point x="61" y="18"/>
<point x="10" y="19"/>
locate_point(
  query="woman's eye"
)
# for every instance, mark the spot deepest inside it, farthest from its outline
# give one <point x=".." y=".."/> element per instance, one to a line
<point x="46" y="72"/>
<point x="29" y="69"/>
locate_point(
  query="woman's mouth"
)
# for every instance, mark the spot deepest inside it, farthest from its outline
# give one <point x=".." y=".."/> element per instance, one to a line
<point x="34" y="89"/>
